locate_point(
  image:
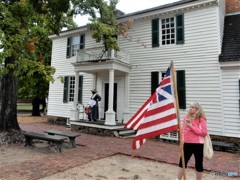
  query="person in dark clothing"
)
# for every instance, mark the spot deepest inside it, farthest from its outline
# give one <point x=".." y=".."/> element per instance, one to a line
<point x="94" y="105"/>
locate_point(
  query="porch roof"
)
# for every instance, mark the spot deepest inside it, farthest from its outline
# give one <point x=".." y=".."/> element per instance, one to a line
<point x="102" y="65"/>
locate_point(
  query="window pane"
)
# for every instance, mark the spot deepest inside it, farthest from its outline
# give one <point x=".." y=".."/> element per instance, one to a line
<point x="75" y="40"/>
<point x="71" y="88"/>
<point x="168" y="30"/>
<point x="74" y="49"/>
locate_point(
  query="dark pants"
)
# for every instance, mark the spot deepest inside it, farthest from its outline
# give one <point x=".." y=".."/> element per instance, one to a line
<point x="95" y="114"/>
<point x="197" y="151"/>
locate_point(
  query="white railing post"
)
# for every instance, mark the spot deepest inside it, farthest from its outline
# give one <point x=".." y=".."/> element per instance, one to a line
<point x="93" y="53"/>
<point x="112" y="54"/>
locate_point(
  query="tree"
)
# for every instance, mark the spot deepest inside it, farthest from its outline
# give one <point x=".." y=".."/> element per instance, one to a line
<point x="34" y="77"/>
<point x="17" y="21"/>
<point x="24" y="57"/>
<point x="104" y="25"/>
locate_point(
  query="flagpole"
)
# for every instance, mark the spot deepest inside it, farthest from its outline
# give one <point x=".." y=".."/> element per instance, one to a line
<point x="179" y="123"/>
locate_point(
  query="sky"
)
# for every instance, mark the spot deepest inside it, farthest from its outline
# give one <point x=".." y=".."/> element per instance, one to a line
<point x="129" y="6"/>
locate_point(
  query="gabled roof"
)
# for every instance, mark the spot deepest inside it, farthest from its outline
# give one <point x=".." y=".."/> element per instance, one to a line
<point x="231" y="39"/>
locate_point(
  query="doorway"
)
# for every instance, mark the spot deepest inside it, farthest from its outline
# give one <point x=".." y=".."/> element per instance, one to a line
<point x="106" y="87"/>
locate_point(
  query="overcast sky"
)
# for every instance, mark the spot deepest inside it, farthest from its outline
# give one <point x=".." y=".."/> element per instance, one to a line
<point x="129" y="6"/>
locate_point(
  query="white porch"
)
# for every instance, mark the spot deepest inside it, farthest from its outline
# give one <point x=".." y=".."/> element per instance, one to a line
<point x="106" y="70"/>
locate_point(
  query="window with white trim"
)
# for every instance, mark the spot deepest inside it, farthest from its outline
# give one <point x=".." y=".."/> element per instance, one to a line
<point x="171" y="31"/>
<point x="71" y="88"/>
<point x="168" y="31"/>
<point x="74" y="44"/>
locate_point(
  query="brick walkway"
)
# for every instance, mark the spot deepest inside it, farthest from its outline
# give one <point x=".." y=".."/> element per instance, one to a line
<point x="91" y="147"/>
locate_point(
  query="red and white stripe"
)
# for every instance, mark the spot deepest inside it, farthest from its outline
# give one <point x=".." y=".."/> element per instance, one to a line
<point x="155" y="117"/>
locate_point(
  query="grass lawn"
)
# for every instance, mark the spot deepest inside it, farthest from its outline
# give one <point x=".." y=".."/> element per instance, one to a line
<point x="24" y="106"/>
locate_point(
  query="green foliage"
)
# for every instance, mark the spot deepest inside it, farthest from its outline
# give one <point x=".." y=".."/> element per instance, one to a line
<point x="103" y="21"/>
<point x="25" y="26"/>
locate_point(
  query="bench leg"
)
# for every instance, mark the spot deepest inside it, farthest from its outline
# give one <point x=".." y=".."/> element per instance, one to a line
<point x="28" y="141"/>
<point x="72" y="142"/>
<point x="58" y="146"/>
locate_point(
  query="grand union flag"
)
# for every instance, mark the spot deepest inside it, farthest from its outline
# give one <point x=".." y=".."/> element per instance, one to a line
<point x="158" y="115"/>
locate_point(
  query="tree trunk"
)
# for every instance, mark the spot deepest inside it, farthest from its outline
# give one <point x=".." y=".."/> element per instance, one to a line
<point x="8" y="115"/>
<point x="35" y="107"/>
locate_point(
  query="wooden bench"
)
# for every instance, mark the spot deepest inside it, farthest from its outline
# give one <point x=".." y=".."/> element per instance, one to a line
<point x="70" y="135"/>
<point x="222" y="145"/>
<point x="57" y="140"/>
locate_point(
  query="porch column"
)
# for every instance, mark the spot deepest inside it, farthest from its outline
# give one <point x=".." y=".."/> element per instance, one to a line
<point x="126" y="114"/>
<point x="110" y="114"/>
<point x="74" y="116"/>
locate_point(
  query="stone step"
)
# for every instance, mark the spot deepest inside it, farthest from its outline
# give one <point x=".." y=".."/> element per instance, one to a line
<point x="124" y="133"/>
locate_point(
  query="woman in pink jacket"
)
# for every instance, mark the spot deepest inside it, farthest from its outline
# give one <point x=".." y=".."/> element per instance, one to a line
<point x="194" y="129"/>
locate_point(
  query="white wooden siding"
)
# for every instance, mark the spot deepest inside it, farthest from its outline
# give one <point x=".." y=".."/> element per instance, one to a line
<point x="63" y="66"/>
<point x="230" y="78"/>
<point x="198" y="57"/>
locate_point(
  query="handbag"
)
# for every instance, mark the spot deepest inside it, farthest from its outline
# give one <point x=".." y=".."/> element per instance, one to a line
<point x="207" y="148"/>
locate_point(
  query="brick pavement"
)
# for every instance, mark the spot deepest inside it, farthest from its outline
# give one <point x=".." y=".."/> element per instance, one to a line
<point x="92" y="147"/>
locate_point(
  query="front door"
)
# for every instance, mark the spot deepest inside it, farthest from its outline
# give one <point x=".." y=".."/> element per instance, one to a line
<point x="114" y="97"/>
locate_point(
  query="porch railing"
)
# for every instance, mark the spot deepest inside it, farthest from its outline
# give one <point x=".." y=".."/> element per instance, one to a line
<point x="96" y="54"/>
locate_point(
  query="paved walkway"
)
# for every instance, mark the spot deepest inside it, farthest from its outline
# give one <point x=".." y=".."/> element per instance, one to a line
<point x="92" y="147"/>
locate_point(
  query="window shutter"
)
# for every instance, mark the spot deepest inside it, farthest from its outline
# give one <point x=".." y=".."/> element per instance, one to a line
<point x="82" y="41"/>
<point x="65" y="89"/>
<point x="68" y="47"/>
<point x="80" y="89"/>
<point x="181" y="89"/>
<point x="180" y="29"/>
<point x="154" y="81"/>
<point x="155" y="33"/>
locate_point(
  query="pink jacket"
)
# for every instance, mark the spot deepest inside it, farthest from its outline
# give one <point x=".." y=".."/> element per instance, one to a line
<point x="195" y="134"/>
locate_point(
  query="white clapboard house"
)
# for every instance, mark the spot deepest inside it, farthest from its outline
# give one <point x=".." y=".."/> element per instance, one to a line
<point x="189" y="32"/>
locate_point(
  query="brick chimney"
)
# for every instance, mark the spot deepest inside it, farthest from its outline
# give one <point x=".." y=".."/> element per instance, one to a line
<point x="232" y="6"/>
